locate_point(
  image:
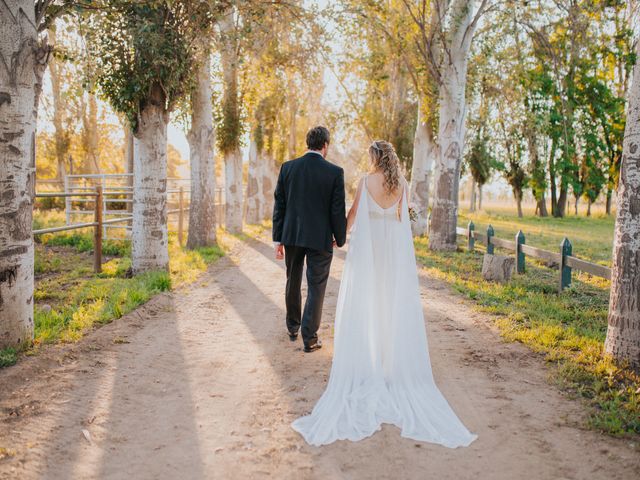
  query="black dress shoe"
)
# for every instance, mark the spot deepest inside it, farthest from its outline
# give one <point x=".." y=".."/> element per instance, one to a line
<point x="293" y="336"/>
<point x="314" y="347"/>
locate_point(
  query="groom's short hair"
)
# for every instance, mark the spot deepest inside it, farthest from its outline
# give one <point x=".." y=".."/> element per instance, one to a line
<point x="317" y="137"/>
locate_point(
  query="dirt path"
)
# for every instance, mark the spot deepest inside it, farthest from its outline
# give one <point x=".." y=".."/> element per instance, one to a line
<point x="203" y="383"/>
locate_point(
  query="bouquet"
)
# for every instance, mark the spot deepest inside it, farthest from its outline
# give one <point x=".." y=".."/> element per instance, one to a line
<point x="413" y="212"/>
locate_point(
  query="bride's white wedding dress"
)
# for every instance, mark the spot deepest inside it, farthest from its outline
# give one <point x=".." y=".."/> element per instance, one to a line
<point x="381" y="371"/>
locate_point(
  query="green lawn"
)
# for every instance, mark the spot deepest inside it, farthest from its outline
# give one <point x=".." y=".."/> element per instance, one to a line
<point x="591" y="237"/>
<point x="70" y="298"/>
<point x="568" y="328"/>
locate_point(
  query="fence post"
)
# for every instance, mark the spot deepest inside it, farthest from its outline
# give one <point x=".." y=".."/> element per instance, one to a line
<point x="67" y="202"/>
<point x="519" y="252"/>
<point x="104" y="204"/>
<point x="472" y="241"/>
<point x="97" y="238"/>
<point x="180" y="218"/>
<point x="565" y="270"/>
<point x="490" y="233"/>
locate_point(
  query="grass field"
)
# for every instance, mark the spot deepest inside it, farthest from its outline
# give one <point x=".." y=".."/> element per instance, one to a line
<point x="568" y="328"/>
<point x="70" y="298"/>
<point x="591" y="237"/>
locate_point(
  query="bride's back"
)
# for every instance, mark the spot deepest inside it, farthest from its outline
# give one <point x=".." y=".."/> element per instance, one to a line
<point x="375" y="183"/>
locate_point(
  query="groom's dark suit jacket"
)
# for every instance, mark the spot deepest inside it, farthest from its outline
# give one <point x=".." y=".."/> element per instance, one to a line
<point x="309" y="206"/>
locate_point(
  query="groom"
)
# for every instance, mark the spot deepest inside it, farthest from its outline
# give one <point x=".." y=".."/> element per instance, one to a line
<point x="308" y="221"/>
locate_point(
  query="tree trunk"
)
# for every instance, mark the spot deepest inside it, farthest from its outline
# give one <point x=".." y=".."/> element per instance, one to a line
<point x="472" y="196"/>
<point x="518" y="196"/>
<point x="575" y="206"/>
<point x="552" y="178"/>
<point x="202" y="213"/>
<point x="232" y="154"/>
<point x="90" y="135"/>
<point x="128" y="151"/>
<point x="269" y="177"/>
<point x="293" y="110"/>
<point x="60" y="134"/>
<point x="589" y="208"/>
<point x="23" y="59"/>
<point x="451" y="131"/>
<point x="609" y="198"/>
<point x="623" y="333"/>
<point x="253" y="201"/>
<point x="233" y="191"/>
<point x="149" y="237"/>
<point x="541" y="207"/>
<point x="128" y="164"/>
<point x="480" y="197"/>
<point x="562" y="202"/>
<point x="423" y="153"/>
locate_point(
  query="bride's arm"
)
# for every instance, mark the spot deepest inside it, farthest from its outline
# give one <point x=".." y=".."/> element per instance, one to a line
<point x="351" y="216"/>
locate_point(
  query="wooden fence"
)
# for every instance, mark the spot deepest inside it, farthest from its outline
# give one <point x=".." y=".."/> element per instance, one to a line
<point x="99" y="223"/>
<point x="563" y="257"/>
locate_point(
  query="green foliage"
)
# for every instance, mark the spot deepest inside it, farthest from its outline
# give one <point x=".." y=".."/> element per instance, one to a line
<point x="387" y="79"/>
<point x="553" y="76"/>
<point x="8" y="357"/>
<point x="146" y="51"/>
<point x="76" y="298"/>
<point x="480" y="161"/>
<point x="229" y="119"/>
<point x="83" y="242"/>
<point x="281" y="61"/>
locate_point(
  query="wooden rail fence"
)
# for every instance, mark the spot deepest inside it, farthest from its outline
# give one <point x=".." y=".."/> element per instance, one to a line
<point x="563" y="257"/>
<point x="98" y="221"/>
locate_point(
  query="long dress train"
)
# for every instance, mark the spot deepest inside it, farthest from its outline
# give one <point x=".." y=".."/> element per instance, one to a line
<point x="381" y="371"/>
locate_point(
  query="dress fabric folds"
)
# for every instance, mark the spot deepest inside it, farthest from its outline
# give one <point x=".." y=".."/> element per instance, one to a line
<point x="381" y="372"/>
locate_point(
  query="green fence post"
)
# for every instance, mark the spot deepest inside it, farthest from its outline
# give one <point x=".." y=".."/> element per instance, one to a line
<point x="490" y="233"/>
<point x="472" y="240"/>
<point x="565" y="270"/>
<point x="519" y="252"/>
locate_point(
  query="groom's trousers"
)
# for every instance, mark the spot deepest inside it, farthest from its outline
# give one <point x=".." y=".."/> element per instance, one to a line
<point x="318" y="266"/>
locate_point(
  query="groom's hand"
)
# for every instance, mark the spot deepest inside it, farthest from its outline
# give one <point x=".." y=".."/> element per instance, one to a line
<point x="279" y="252"/>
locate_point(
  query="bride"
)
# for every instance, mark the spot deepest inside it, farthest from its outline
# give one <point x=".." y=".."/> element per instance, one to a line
<point x="381" y="371"/>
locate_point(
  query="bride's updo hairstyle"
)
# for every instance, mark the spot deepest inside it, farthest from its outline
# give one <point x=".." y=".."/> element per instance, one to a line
<point x="385" y="159"/>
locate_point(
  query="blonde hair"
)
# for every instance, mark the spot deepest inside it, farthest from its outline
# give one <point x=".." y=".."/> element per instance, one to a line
<point x="385" y="159"/>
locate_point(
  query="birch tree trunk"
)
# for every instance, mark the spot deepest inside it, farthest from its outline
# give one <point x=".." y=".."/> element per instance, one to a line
<point x="90" y="135"/>
<point x="201" y="137"/>
<point x="60" y="134"/>
<point x="149" y="249"/>
<point x="451" y="129"/>
<point x="293" y="111"/>
<point x="472" y="197"/>
<point x="128" y="163"/>
<point x="269" y="177"/>
<point x="23" y="59"/>
<point x="232" y="155"/>
<point x="233" y="191"/>
<point x="128" y="151"/>
<point x="623" y="333"/>
<point x="424" y="150"/>
<point x="254" y="197"/>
